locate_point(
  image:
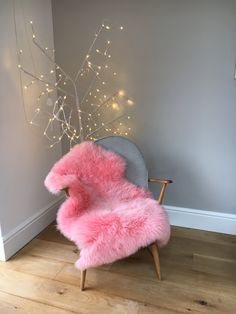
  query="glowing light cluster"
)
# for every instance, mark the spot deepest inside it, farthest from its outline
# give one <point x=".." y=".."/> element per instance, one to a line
<point x="88" y="112"/>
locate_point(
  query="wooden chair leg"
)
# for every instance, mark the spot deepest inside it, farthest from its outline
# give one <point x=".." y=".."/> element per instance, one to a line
<point x="82" y="279"/>
<point x="156" y="257"/>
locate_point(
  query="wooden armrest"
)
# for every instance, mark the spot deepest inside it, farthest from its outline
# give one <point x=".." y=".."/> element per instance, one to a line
<point x="162" y="181"/>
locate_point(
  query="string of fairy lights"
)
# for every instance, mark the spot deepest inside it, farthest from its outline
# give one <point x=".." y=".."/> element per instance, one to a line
<point x="69" y="112"/>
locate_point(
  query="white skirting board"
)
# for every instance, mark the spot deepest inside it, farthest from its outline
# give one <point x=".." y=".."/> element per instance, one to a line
<point x="182" y="217"/>
<point x="202" y="219"/>
<point x="27" y="230"/>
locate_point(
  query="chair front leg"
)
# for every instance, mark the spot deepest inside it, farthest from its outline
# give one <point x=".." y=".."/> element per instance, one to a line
<point x="82" y="279"/>
<point x="156" y="256"/>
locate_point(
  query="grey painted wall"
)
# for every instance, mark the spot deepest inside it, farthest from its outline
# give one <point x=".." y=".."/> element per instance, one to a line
<point x="25" y="159"/>
<point x="177" y="59"/>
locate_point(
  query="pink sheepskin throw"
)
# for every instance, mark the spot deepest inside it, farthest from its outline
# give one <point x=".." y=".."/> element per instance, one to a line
<point x="107" y="217"/>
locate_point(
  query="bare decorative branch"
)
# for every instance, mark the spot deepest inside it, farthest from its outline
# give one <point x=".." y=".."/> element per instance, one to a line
<point x="58" y="100"/>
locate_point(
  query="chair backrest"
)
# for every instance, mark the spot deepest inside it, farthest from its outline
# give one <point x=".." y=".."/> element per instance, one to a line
<point x="136" y="171"/>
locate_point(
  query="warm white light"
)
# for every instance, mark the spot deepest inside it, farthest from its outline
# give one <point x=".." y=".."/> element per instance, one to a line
<point x="121" y="93"/>
<point x="130" y="102"/>
<point x="115" y="106"/>
<point x="52" y="71"/>
<point x="107" y="27"/>
<point x="121" y="27"/>
<point x="31" y="22"/>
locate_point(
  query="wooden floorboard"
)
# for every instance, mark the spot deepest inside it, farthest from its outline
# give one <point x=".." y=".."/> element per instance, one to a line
<point x="197" y="269"/>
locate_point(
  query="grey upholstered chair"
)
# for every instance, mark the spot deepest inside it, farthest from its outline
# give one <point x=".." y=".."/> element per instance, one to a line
<point x="137" y="173"/>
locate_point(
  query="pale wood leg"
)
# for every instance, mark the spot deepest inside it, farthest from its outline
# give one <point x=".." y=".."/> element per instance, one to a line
<point x="156" y="257"/>
<point x="82" y="279"/>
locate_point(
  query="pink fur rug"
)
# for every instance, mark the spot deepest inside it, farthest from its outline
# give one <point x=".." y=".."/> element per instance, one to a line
<point x="106" y="216"/>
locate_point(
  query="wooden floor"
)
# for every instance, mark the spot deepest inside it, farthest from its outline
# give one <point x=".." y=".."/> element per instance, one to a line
<point x="198" y="271"/>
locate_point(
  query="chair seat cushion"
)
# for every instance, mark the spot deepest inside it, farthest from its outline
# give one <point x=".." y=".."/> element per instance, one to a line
<point x="106" y="216"/>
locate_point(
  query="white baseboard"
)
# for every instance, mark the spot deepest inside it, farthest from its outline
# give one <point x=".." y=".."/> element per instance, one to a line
<point x="182" y="217"/>
<point x="202" y="219"/>
<point x="14" y="240"/>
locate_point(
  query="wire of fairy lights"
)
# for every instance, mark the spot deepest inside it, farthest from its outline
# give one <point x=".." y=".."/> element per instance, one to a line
<point x="78" y="116"/>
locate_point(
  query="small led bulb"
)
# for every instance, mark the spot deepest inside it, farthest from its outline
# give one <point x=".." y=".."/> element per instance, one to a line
<point x="121" y="93"/>
<point x="130" y="102"/>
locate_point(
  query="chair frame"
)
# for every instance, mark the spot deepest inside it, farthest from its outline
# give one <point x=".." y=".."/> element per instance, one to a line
<point x="152" y="248"/>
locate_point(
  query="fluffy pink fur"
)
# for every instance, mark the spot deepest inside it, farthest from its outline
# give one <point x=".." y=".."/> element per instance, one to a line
<point x="106" y="216"/>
